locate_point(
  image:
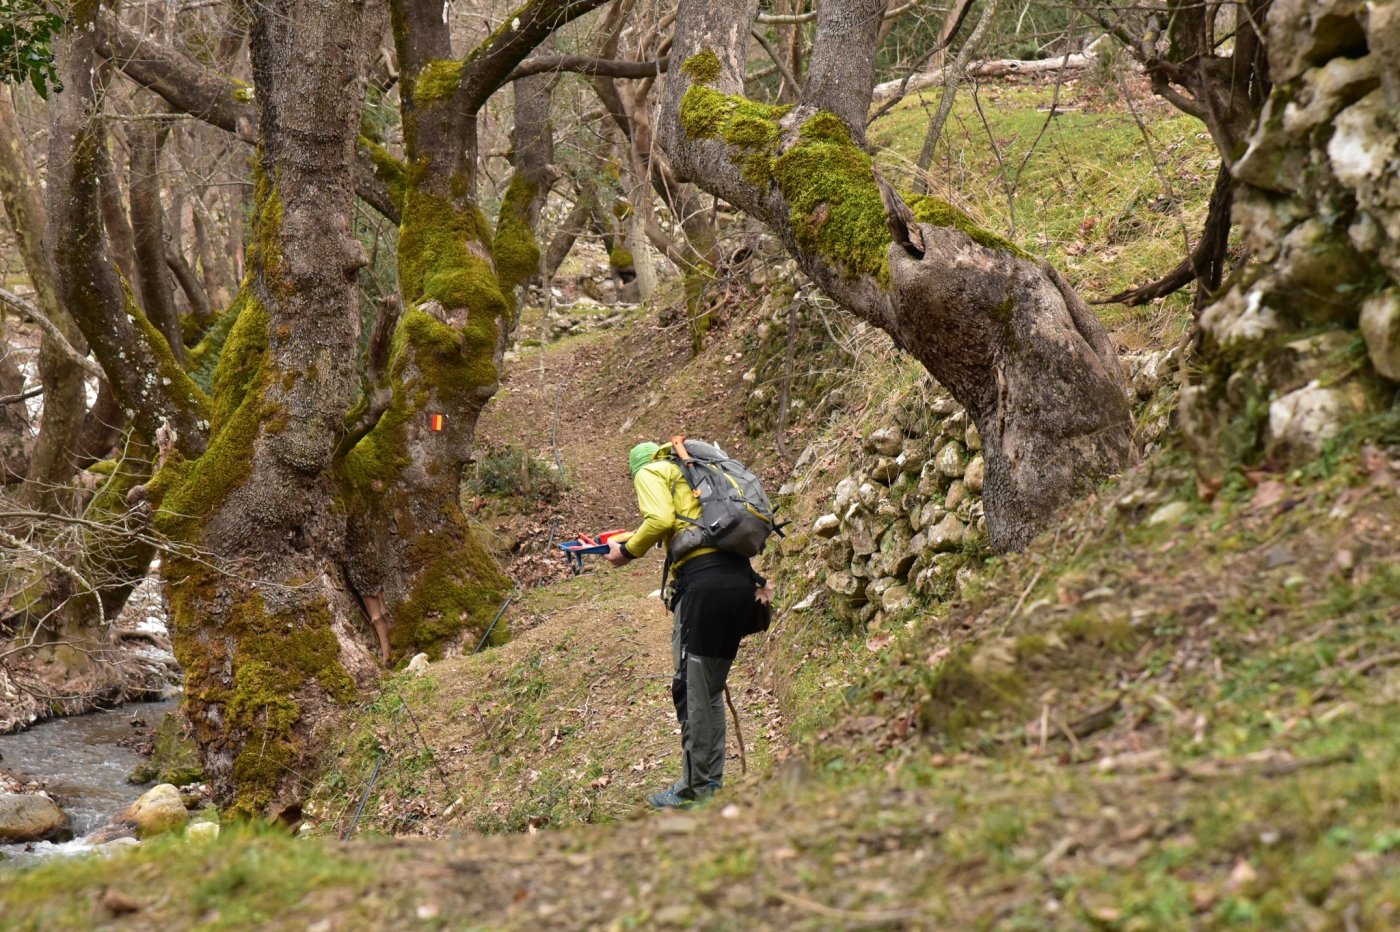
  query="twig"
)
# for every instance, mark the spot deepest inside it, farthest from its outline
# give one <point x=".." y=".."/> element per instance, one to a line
<point x="738" y="732"/>
<point x="846" y="915"/>
<point x="31" y="310"/>
<point x="62" y="567"/>
<point x="413" y="719"/>
<point x="789" y="357"/>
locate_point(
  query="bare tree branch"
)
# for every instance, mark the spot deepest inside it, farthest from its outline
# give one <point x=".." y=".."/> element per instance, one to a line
<point x="31" y="311"/>
<point x="208" y="96"/>
<point x="584" y="64"/>
<point x="491" y="63"/>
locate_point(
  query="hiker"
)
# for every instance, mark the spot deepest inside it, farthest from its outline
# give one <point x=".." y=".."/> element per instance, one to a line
<point x="714" y="596"/>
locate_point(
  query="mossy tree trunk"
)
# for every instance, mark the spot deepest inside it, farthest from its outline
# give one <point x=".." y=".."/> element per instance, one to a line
<point x="51" y="463"/>
<point x="263" y="625"/>
<point x="73" y="583"/>
<point x="1280" y="370"/>
<point x="1007" y="336"/>
<point x="422" y="575"/>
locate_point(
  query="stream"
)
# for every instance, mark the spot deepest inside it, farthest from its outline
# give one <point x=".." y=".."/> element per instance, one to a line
<point x="85" y="768"/>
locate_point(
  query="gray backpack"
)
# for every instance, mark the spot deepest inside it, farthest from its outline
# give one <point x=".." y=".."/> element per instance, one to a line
<point x="734" y="511"/>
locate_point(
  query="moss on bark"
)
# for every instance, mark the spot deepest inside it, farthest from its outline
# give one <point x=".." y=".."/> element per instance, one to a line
<point x="438" y="81"/>
<point x="254" y="669"/>
<point x="189" y="491"/>
<point x="517" y="251"/>
<point x="824" y="177"/>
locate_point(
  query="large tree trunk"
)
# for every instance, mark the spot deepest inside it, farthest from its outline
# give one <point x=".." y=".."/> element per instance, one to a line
<point x="424" y="578"/>
<point x="262" y="623"/>
<point x="52" y="461"/>
<point x="1279" y="367"/>
<point x="1008" y="337"/>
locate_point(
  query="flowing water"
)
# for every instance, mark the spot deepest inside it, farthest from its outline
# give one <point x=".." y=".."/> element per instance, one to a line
<point x="83" y="763"/>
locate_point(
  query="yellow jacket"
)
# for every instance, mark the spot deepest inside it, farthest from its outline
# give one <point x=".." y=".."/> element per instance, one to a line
<point x="663" y="498"/>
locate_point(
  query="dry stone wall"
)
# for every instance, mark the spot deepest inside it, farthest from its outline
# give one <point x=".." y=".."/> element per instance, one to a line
<point x="1280" y="364"/>
<point x="906" y="524"/>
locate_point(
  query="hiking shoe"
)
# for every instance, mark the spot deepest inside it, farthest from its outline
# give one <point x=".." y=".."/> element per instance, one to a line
<point x="669" y="799"/>
<point x="705" y="792"/>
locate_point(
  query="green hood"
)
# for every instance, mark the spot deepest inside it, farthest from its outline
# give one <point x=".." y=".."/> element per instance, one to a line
<point x="641" y="454"/>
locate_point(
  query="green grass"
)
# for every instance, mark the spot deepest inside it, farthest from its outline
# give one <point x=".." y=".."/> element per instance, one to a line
<point x="1089" y="198"/>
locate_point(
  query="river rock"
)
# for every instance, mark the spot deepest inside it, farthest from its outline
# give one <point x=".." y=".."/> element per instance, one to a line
<point x="160" y="809"/>
<point x="30" y="817"/>
<point x="886" y="441"/>
<point x="827" y="526"/>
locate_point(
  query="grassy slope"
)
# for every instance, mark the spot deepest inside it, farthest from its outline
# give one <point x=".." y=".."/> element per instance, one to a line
<point x="1128" y="726"/>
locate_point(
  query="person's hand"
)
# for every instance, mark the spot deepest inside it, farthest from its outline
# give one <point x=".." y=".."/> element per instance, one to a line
<point x="764" y="595"/>
<point x="615" y="556"/>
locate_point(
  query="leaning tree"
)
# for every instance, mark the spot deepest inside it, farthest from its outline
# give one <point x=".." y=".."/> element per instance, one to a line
<point x="1004" y="332"/>
<point x="309" y="487"/>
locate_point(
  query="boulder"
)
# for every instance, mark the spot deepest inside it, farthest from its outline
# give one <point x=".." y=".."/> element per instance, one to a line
<point x="205" y="831"/>
<point x="886" y="441"/>
<point x="929" y="515"/>
<point x="864" y="533"/>
<point x="896" y="554"/>
<point x="30" y="817"/>
<point x="972" y="437"/>
<point x="976" y="471"/>
<point x="1380" y="325"/>
<point x="875" y="592"/>
<point x="845" y="494"/>
<point x="910" y="462"/>
<point x="160" y="809"/>
<point x="1170" y="513"/>
<point x="947" y="535"/>
<point x="884" y="470"/>
<point x="896" y="599"/>
<point x="931" y="481"/>
<point x="845" y="584"/>
<point x="949" y="459"/>
<point x="942" y="405"/>
<point x="1304" y="420"/>
<point x="957" y="494"/>
<point x="869" y="494"/>
<point x="827" y="526"/>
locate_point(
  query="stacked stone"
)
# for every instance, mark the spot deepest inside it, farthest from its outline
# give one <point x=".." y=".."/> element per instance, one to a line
<point x="1318" y="203"/>
<point x="902" y="523"/>
<point x="908" y="521"/>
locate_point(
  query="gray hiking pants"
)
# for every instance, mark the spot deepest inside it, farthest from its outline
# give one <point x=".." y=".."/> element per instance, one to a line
<point x="698" y="693"/>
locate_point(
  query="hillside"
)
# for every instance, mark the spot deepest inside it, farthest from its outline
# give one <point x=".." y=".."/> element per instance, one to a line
<point x="1172" y="711"/>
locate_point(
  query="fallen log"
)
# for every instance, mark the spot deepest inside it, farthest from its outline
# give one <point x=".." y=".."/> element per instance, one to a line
<point x="988" y="68"/>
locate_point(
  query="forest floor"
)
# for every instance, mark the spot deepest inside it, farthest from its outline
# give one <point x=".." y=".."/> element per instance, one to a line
<point x="1172" y="711"/>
